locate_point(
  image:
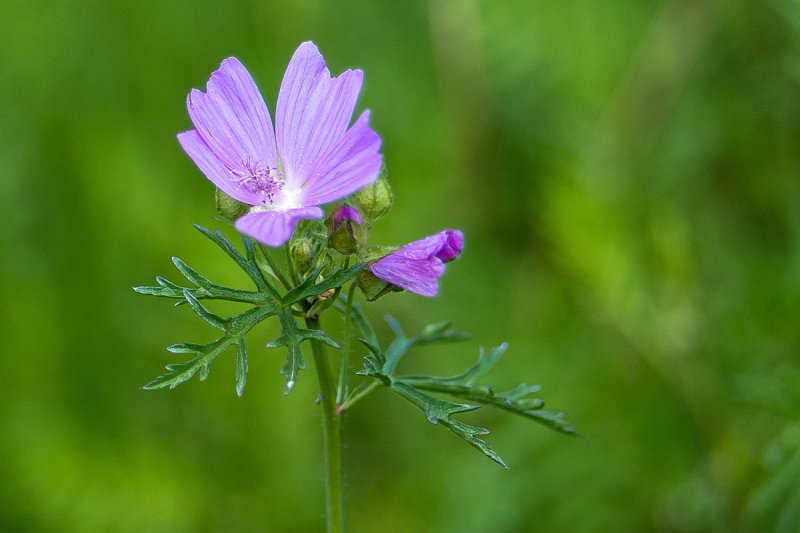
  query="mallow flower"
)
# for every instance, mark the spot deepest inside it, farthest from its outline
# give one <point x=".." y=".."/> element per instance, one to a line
<point x="417" y="266"/>
<point x="311" y="157"/>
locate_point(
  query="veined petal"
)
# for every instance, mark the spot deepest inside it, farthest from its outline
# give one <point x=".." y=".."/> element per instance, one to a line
<point x="312" y="113"/>
<point x="354" y="162"/>
<point x="415" y="275"/>
<point x="417" y="265"/>
<point x="232" y="118"/>
<point x="210" y="165"/>
<point x="274" y="228"/>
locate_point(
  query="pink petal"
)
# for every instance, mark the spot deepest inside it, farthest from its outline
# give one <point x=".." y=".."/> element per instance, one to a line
<point x="354" y="162"/>
<point x="212" y="167"/>
<point x="415" y="275"/>
<point x="312" y="113"/>
<point x="232" y="118"/>
<point x="274" y="228"/>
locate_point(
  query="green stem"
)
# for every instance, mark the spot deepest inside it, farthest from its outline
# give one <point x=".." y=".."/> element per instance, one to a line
<point x="332" y="436"/>
<point x="342" y="389"/>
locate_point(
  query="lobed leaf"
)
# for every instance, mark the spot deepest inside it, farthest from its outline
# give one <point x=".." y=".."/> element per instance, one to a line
<point x="248" y="264"/>
<point x="234" y="330"/>
<point x="292" y="336"/>
<point x="439" y="411"/>
<point x="241" y="366"/>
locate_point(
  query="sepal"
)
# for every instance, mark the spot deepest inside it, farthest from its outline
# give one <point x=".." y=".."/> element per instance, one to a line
<point x="229" y="208"/>
<point x="376" y="200"/>
<point x="347" y="231"/>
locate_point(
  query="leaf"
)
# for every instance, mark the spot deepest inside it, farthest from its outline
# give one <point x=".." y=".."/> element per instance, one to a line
<point x="249" y="264"/>
<point x="380" y="365"/>
<point x="438" y="411"/>
<point x="291" y="337"/>
<point x="204" y="289"/>
<point x="514" y="401"/>
<point x="216" y="321"/>
<point x="308" y="288"/>
<point x="235" y="329"/>
<point x="374" y="363"/>
<point x="241" y="366"/>
<point x="440" y="332"/>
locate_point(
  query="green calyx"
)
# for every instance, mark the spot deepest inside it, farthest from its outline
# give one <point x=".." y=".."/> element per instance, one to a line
<point x="229" y="208"/>
<point x="346" y="235"/>
<point x="376" y="199"/>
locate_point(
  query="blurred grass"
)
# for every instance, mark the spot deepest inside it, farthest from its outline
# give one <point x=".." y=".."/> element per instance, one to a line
<point x="626" y="174"/>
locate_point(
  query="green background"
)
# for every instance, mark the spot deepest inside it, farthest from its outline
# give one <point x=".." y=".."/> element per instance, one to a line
<point x="625" y="172"/>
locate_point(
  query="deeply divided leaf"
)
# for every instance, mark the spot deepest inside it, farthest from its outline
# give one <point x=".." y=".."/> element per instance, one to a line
<point x="291" y="337"/>
<point x="234" y="330"/>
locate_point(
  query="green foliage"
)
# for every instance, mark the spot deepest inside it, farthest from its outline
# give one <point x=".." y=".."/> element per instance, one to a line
<point x="381" y="365"/>
<point x="291" y="338"/>
<point x="266" y="302"/>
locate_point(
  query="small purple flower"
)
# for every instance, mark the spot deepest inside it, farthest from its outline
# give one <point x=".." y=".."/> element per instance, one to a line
<point x="310" y="159"/>
<point x="416" y="267"/>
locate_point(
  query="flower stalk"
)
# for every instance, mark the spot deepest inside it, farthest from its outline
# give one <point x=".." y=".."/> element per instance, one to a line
<point x="331" y="434"/>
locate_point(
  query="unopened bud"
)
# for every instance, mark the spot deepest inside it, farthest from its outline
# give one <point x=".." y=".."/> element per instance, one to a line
<point x="452" y="246"/>
<point x="376" y="199"/>
<point x="229" y="208"/>
<point x="347" y="231"/>
<point x="302" y="252"/>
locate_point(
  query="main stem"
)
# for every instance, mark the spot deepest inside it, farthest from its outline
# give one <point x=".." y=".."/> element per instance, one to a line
<point x="332" y="436"/>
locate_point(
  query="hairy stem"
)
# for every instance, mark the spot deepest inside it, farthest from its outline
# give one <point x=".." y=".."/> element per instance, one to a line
<point x="332" y="436"/>
<point x="342" y="389"/>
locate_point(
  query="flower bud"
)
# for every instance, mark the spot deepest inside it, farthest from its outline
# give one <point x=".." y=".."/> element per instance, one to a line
<point x="227" y="207"/>
<point x="376" y="199"/>
<point x="302" y="252"/>
<point x="347" y="232"/>
<point x="453" y="243"/>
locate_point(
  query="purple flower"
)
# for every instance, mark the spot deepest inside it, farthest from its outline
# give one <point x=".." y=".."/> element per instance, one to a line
<point x="416" y="266"/>
<point x="311" y="158"/>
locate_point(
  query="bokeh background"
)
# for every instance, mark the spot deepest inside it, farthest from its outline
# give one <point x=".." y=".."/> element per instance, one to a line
<point x="626" y="174"/>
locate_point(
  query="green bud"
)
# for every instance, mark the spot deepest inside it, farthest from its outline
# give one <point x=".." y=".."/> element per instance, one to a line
<point x="347" y="232"/>
<point x="303" y="253"/>
<point x="229" y="208"/>
<point x="376" y="199"/>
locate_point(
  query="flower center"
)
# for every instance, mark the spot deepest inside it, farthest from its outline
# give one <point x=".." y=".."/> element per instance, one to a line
<point x="260" y="179"/>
